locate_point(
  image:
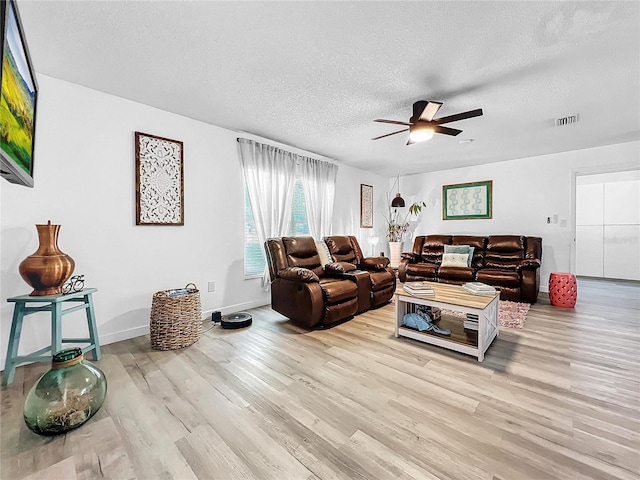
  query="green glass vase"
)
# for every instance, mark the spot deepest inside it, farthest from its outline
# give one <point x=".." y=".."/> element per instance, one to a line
<point x="66" y="396"/>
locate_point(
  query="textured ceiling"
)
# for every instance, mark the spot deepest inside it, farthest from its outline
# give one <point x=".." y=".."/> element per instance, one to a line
<point x="314" y="75"/>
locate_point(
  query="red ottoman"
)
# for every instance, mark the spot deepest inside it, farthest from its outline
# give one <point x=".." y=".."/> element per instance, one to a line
<point x="563" y="290"/>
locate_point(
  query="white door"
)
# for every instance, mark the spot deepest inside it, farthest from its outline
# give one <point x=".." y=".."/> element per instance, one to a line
<point x="608" y="225"/>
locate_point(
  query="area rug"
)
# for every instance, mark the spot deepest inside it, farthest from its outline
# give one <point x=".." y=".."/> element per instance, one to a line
<point x="512" y="314"/>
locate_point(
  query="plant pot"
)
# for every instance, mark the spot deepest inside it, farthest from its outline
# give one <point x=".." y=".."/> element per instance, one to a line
<point x="395" y="254"/>
<point x="48" y="268"/>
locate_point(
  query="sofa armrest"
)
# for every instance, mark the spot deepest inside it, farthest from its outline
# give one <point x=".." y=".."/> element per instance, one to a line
<point x="298" y="274"/>
<point x="339" y="267"/>
<point x="410" y="257"/>
<point x="528" y="264"/>
<point x="374" y="263"/>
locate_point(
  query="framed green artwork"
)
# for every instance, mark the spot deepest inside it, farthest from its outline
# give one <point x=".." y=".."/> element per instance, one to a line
<point x="464" y="201"/>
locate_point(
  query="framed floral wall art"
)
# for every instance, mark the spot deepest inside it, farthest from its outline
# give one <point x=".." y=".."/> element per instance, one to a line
<point x="159" y="180"/>
<point x="465" y="201"/>
<point x="366" y="206"/>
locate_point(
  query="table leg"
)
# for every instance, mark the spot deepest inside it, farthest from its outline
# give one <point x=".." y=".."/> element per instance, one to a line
<point x="14" y="343"/>
<point x="398" y="316"/>
<point x="93" y="330"/>
<point x="56" y="328"/>
<point x="481" y="334"/>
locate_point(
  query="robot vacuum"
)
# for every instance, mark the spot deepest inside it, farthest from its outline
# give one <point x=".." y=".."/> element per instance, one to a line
<point x="236" y="320"/>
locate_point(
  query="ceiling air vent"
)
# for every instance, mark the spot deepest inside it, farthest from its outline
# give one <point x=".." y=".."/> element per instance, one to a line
<point x="566" y="120"/>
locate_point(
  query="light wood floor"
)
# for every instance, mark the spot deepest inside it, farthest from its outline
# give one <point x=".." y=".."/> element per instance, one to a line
<point x="558" y="399"/>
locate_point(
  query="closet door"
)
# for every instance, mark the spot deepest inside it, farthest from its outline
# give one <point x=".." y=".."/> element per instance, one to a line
<point x="622" y="230"/>
<point x="608" y="225"/>
<point x="589" y="230"/>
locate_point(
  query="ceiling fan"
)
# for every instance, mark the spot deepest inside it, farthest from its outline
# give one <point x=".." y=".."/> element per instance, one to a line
<point x="422" y="125"/>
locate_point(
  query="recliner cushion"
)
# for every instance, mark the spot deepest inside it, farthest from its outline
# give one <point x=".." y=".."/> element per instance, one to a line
<point x="456" y="273"/>
<point x="339" y="267"/>
<point x="433" y="247"/>
<point x="341" y="249"/>
<point x="504" y="251"/>
<point x="374" y="263"/>
<point x="380" y="280"/>
<point x="337" y="290"/>
<point x="301" y="252"/>
<point x="422" y="269"/>
<point x="298" y="274"/>
<point x="498" y="277"/>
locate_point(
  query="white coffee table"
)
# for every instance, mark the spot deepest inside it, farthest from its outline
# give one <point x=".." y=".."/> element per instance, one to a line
<point x="453" y="297"/>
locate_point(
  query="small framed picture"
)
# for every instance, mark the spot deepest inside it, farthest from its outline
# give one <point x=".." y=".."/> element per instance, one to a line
<point x="366" y="206"/>
<point x="465" y="201"/>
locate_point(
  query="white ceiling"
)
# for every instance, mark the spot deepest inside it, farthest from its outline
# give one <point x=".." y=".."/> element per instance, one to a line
<point x="314" y="75"/>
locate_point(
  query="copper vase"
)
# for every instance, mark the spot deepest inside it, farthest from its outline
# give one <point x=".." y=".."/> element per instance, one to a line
<point x="48" y="268"/>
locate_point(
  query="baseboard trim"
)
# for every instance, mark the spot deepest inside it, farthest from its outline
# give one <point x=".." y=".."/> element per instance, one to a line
<point x="106" y="339"/>
<point x="235" y="308"/>
<point x="123" y="335"/>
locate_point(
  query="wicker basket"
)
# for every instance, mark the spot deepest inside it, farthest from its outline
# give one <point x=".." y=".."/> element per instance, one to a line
<point x="176" y="321"/>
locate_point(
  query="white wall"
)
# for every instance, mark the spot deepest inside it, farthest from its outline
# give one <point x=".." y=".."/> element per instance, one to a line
<point x="346" y="219"/>
<point x="525" y="192"/>
<point x="85" y="181"/>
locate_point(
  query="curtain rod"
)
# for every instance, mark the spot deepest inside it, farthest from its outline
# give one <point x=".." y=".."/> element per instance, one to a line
<point x="284" y="146"/>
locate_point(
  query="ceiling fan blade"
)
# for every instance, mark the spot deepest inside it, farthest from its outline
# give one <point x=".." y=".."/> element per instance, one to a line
<point x="458" y="116"/>
<point x="430" y="111"/>
<point x="418" y="108"/>
<point x="446" y="130"/>
<point x="389" y="134"/>
<point x="394" y="122"/>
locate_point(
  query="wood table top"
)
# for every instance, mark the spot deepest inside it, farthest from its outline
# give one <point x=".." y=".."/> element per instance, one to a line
<point x="454" y="295"/>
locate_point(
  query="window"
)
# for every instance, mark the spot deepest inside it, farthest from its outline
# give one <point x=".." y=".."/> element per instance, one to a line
<point x="254" y="260"/>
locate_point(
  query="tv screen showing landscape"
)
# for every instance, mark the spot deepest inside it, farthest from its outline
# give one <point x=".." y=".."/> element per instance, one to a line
<point x="17" y="101"/>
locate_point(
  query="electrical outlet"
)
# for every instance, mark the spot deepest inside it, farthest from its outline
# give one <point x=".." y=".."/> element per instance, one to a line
<point x="211" y="287"/>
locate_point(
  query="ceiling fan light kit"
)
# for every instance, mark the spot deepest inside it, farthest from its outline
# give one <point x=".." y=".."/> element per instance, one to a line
<point x="420" y="133"/>
<point x="422" y="124"/>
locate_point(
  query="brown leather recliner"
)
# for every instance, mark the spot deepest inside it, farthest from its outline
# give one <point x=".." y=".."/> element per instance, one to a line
<point x="511" y="263"/>
<point x="375" y="279"/>
<point x="301" y="289"/>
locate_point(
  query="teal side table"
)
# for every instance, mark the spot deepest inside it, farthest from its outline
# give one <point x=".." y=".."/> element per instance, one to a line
<point x="53" y="304"/>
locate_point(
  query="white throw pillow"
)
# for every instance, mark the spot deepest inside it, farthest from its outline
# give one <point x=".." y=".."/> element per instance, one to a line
<point x="454" y="259"/>
<point x="323" y="253"/>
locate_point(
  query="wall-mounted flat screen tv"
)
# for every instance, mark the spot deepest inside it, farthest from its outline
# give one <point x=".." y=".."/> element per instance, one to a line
<point x="17" y="101"/>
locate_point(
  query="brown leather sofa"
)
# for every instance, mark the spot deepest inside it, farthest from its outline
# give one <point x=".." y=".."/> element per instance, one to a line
<point x="315" y="296"/>
<point x="375" y="279"/>
<point x="511" y="263"/>
<point x="301" y="289"/>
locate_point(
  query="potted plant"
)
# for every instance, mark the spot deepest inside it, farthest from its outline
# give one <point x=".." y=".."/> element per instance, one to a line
<point x="397" y="228"/>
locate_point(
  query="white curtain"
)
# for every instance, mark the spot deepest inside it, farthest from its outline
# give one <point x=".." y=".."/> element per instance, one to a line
<point x="270" y="174"/>
<point x="319" y="181"/>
